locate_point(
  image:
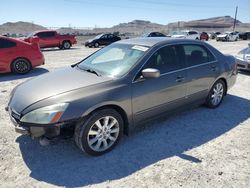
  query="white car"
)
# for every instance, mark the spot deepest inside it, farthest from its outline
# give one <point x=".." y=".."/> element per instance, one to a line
<point x="243" y="59"/>
<point x="187" y="35"/>
<point x="228" y="36"/>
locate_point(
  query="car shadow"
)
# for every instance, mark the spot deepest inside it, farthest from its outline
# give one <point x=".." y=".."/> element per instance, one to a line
<point x="57" y="49"/>
<point x="62" y="164"/>
<point x="11" y="76"/>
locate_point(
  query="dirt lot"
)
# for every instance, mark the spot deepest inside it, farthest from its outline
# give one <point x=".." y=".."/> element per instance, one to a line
<point x="196" y="148"/>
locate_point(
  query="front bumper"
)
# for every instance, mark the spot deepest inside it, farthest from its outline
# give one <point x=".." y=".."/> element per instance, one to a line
<point x="36" y="130"/>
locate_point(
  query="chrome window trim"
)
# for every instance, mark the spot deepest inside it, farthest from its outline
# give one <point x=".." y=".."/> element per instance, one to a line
<point x="181" y="43"/>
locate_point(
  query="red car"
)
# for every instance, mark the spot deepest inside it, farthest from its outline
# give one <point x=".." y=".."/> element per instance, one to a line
<point x="49" y="39"/>
<point x="18" y="56"/>
<point x="204" y="36"/>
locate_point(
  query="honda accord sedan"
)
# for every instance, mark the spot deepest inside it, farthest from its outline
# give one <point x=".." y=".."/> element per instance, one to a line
<point x="120" y="86"/>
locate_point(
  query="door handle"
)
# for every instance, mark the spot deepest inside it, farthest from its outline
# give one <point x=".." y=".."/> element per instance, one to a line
<point x="213" y="68"/>
<point x="180" y="79"/>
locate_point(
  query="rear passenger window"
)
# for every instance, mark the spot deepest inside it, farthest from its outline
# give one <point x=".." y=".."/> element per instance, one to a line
<point x="196" y="54"/>
<point x="4" y="43"/>
<point x="167" y="59"/>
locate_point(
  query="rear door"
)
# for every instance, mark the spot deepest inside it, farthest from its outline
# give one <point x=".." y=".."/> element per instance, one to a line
<point x="202" y="70"/>
<point x="153" y="96"/>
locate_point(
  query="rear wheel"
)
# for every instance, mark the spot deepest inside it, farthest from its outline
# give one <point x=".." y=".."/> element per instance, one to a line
<point x="21" y="66"/>
<point x="100" y="132"/>
<point x="216" y="94"/>
<point x="66" y="45"/>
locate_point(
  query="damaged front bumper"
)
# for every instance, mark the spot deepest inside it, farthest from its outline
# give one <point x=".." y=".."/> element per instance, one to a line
<point x="36" y="130"/>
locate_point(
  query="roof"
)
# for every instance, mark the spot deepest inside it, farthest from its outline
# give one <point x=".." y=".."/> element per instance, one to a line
<point x="151" y="41"/>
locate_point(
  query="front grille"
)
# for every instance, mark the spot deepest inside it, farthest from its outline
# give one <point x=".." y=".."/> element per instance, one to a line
<point x="242" y="66"/>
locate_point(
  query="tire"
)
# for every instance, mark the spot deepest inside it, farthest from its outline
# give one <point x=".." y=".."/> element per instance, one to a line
<point x="21" y="66"/>
<point x="236" y="39"/>
<point x="66" y="45"/>
<point x="96" y="45"/>
<point x="197" y="38"/>
<point x="94" y="137"/>
<point x="216" y="94"/>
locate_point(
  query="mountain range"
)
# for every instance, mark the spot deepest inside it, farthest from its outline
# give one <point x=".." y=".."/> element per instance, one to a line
<point x="134" y="27"/>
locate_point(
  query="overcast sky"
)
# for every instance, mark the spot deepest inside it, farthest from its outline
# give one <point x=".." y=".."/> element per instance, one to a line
<point x="100" y="13"/>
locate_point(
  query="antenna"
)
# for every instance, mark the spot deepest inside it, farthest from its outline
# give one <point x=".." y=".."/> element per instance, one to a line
<point x="236" y="11"/>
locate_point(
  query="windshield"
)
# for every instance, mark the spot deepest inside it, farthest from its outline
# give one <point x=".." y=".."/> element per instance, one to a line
<point x="31" y="34"/>
<point x="98" y="36"/>
<point x="145" y="35"/>
<point x="114" y="60"/>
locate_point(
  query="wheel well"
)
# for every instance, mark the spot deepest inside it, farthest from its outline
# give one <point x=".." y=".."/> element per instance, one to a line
<point x="225" y="82"/>
<point x="66" y="41"/>
<point x="120" y="111"/>
<point x="19" y="58"/>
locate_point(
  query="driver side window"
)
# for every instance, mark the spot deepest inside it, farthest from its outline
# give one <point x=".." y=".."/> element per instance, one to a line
<point x="167" y="59"/>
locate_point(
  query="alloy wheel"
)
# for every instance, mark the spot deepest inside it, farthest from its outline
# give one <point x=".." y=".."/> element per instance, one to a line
<point x="103" y="133"/>
<point x="217" y="95"/>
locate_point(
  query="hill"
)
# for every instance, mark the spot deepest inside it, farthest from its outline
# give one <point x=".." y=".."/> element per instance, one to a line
<point x="20" y="27"/>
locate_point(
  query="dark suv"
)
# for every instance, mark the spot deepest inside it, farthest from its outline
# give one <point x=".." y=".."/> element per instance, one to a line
<point x="244" y="35"/>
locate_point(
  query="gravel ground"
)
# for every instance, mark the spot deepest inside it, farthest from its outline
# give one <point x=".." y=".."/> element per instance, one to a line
<point x="195" y="148"/>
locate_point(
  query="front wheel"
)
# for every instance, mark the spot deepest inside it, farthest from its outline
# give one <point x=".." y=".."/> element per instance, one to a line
<point x="96" y="45"/>
<point x="100" y="132"/>
<point x="216" y="94"/>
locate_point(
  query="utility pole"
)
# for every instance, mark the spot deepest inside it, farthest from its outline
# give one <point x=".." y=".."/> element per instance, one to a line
<point x="236" y="11"/>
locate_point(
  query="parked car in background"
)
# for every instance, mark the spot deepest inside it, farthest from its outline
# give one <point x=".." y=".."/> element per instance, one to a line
<point x="187" y="35"/>
<point x="18" y="56"/>
<point x="204" y="36"/>
<point x="153" y="34"/>
<point x="228" y="36"/>
<point x="244" y="35"/>
<point x="213" y="35"/>
<point x="120" y="86"/>
<point x="102" y="40"/>
<point x="243" y="59"/>
<point x="49" y="39"/>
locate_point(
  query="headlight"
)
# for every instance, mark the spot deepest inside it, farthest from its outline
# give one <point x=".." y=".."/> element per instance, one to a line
<point x="45" y="115"/>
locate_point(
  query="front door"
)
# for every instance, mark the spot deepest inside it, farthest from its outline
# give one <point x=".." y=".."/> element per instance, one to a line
<point x="153" y="96"/>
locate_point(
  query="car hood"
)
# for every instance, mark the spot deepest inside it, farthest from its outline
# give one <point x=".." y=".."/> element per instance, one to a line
<point x="178" y="36"/>
<point x="52" y="84"/>
<point x="223" y="35"/>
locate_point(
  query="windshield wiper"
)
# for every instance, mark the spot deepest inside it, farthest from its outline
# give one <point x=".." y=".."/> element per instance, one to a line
<point x="88" y="70"/>
<point x="92" y="71"/>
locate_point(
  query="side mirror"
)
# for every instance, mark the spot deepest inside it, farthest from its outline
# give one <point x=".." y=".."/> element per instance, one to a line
<point x="150" y="73"/>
